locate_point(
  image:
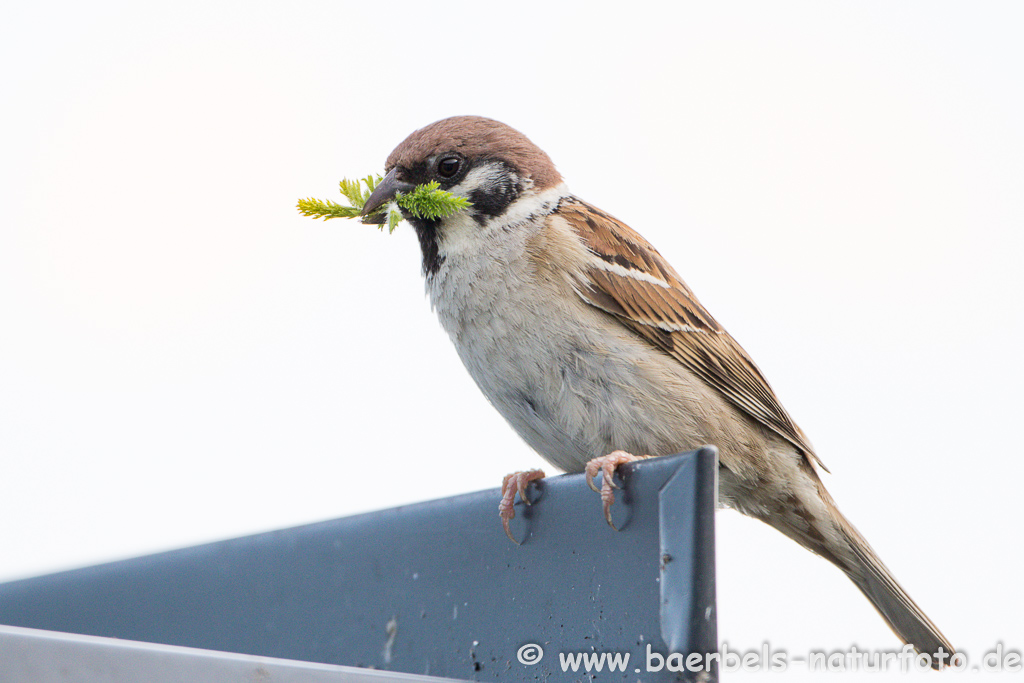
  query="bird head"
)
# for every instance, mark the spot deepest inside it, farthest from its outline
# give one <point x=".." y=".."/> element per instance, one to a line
<point x="487" y="162"/>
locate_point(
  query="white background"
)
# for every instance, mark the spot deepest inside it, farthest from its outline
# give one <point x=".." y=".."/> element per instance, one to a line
<point x="183" y="358"/>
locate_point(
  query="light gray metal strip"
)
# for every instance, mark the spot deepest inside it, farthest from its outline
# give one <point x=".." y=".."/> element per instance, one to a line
<point x="35" y="656"/>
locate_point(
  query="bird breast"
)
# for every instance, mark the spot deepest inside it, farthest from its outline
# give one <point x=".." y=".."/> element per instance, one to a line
<point x="573" y="382"/>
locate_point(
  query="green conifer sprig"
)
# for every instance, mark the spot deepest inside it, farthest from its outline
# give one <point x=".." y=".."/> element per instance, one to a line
<point x="430" y="201"/>
<point x="424" y="201"/>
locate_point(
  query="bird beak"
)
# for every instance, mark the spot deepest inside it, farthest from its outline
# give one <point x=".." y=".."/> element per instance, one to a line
<point x="382" y="194"/>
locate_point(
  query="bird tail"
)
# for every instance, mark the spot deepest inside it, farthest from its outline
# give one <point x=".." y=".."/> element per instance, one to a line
<point x="905" y="618"/>
<point x="843" y="545"/>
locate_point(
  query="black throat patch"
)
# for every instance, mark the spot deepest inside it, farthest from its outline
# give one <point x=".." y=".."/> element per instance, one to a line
<point x="426" y="231"/>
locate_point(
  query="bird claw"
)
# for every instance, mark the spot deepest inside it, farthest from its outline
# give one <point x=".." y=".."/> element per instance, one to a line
<point x="607" y="465"/>
<point x="510" y="485"/>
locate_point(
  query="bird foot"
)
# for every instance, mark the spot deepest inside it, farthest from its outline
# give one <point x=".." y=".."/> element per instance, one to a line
<point x="606" y="465"/>
<point x="510" y="485"/>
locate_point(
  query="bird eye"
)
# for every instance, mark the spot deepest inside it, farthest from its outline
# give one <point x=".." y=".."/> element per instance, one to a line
<point x="449" y="166"/>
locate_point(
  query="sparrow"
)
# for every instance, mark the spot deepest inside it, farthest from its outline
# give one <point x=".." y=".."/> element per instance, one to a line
<point x="597" y="353"/>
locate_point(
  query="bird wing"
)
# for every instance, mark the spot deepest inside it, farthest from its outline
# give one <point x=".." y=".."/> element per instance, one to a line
<point x="629" y="279"/>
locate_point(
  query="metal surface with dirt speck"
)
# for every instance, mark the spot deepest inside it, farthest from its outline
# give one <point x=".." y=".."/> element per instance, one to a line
<point x="433" y="588"/>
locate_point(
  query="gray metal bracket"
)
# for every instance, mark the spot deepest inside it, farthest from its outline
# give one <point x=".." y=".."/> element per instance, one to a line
<point x="433" y="588"/>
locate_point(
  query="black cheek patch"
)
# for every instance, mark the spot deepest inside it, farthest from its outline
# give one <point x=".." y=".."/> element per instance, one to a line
<point x="492" y="201"/>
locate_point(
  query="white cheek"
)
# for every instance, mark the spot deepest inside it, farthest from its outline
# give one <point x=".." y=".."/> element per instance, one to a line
<point x="480" y="177"/>
<point x="531" y="204"/>
<point x="461" y="235"/>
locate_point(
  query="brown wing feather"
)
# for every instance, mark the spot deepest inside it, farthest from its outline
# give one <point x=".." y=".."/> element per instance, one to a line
<point x="671" y="318"/>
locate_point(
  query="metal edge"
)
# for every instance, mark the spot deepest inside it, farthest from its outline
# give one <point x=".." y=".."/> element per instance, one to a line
<point x="687" y="503"/>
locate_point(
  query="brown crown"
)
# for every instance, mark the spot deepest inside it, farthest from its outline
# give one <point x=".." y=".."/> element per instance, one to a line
<point x="477" y="137"/>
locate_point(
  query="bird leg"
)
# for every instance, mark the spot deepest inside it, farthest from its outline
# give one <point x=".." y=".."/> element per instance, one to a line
<point x="510" y="485"/>
<point x="606" y="465"/>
